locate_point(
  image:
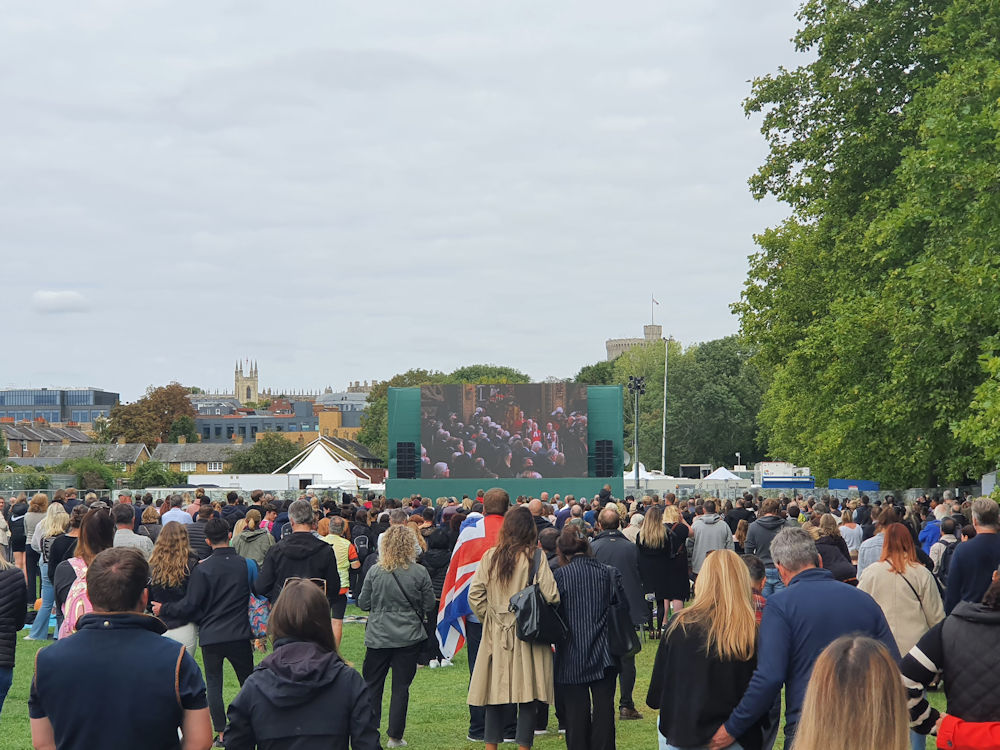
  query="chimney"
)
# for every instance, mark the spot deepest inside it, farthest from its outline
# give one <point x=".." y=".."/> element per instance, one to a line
<point x="121" y="440"/>
<point x="65" y="441"/>
<point x="182" y="439"/>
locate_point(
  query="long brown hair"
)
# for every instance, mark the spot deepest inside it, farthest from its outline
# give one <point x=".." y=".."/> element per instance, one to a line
<point x="97" y="533"/>
<point x="898" y="548"/>
<point x="722" y="608"/>
<point x="518" y="536"/>
<point x="741" y="531"/>
<point x="855" y="699"/>
<point x="168" y="565"/>
<point x="302" y="612"/>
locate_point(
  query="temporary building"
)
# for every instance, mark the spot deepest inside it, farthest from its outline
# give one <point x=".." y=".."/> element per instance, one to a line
<point x="328" y="464"/>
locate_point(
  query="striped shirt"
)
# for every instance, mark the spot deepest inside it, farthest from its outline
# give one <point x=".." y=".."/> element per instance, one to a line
<point x="585" y="598"/>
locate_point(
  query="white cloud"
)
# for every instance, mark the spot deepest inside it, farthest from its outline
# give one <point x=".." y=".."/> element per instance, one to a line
<point x="59" y="302"/>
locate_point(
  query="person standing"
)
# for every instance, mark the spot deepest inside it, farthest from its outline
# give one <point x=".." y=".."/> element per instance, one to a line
<point x="870" y="551"/>
<point x="150" y="525"/>
<point x="397" y="592"/>
<point x="758" y="543"/>
<point x="36" y="512"/>
<point x="97" y="533"/>
<point x="117" y="652"/>
<point x="125" y="536"/>
<point x="613" y="548"/>
<point x="174" y="512"/>
<point x="254" y="541"/>
<point x="585" y="669"/>
<point x="46" y="533"/>
<point x="13" y="608"/>
<point x="303" y="695"/>
<point x="331" y="531"/>
<point x="797" y="625"/>
<point x="707" y="657"/>
<point x="512" y="671"/>
<point x="170" y="568"/>
<point x="710" y="533"/>
<point x="663" y="564"/>
<point x="217" y="600"/>
<point x="973" y="562"/>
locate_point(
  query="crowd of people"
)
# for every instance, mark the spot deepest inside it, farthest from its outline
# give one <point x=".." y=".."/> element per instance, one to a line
<point x="853" y="611"/>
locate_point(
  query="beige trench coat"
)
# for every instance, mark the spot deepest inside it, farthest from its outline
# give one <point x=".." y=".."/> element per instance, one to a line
<point x="508" y="670"/>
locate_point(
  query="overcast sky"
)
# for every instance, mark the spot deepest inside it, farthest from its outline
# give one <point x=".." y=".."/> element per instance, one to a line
<point x="344" y="191"/>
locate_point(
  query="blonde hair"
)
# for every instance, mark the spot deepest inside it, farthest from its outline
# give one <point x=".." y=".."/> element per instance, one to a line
<point x="168" y="565"/>
<point x="652" y="532"/>
<point x="671" y="514"/>
<point x="855" y="699"/>
<point x="414" y="524"/>
<point x="39" y="503"/>
<point x="56" y="520"/>
<point x="399" y="548"/>
<point x="238" y="527"/>
<point x="722" y="608"/>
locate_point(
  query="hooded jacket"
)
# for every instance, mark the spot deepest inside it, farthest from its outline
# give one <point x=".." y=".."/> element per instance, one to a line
<point x="436" y="559"/>
<point x="302" y="697"/>
<point x="301" y="554"/>
<point x="710" y="533"/>
<point x="759" y="537"/>
<point x="13" y="606"/>
<point x="253" y="544"/>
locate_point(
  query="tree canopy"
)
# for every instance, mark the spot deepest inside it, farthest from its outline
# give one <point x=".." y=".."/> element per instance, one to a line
<point x="155" y="474"/>
<point x="267" y="453"/>
<point x="871" y="305"/>
<point x="183" y="426"/>
<point x="149" y="419"/>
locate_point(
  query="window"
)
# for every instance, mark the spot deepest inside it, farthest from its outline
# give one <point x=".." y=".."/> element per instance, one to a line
<point x="80" y="415"/>
<point x="207" y="433"/>
<point x="218" y="431"/>
<point x="215" y="465"/>
<point x="218" y="411"/>
<point x="188" y="467"/>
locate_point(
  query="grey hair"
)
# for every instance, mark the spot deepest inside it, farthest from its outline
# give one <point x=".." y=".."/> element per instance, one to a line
<point x="949" y="495"/>
<point x="794" y="549"/>
<point x="300" y="513"/>
<point x="985" y="512"/>
<point x="397" y="517"/>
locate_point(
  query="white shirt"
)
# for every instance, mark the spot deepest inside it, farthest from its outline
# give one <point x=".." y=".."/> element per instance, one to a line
<point x="176" y="514"/>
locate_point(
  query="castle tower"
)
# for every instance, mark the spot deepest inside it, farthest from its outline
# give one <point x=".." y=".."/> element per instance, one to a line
<point x="246" y="386"/>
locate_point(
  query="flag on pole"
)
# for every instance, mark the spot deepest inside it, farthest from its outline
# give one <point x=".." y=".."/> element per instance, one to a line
<point x="476" y="536"/>
<point x="655" y="302"/>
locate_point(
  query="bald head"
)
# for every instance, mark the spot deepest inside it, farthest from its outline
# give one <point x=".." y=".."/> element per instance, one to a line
<point x="608" y="519"/>
<point x="535" y="506"/>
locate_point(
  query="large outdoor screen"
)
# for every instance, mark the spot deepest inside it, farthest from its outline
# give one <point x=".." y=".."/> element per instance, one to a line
<point x="531" y="431"/>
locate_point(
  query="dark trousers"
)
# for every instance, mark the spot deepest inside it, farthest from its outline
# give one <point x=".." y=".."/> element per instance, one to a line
<point x="524" y="729"/>
<point x="477" y="714"/>
<point x="771" y="724"/>
<point x="31" y="559"/>
<point x="403" y="663"/>
<point x="589" y="713"/>
<point x="431" y="648"/>
<point x="542" y="714"/>
<point x="240" y="656"/>
<point x="627" y="679"/>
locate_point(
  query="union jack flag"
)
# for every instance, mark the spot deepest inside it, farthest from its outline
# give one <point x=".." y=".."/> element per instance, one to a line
<point x="475" y="537"/>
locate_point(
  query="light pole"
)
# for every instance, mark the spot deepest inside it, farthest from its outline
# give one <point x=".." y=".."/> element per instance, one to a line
<point x="637" y="387"/>
<point x="663" y="443"/>
<point x="738" y="456"/>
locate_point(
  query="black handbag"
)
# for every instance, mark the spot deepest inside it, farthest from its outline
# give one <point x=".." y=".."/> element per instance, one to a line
<point x="623" y="641"/>
<point x="537" y="620"/>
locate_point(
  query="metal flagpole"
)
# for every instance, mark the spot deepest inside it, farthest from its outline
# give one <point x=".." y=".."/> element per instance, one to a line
<point x="663" y="445"/>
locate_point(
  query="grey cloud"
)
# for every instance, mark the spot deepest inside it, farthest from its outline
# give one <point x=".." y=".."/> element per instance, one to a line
<point x="50" y="302"/>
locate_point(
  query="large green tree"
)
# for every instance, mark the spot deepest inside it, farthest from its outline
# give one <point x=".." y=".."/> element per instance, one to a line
<point x="149" y="419"/>
<point x="374" y="433"/>
<point x="870" y="305"/>
<point x="267" y="454"/>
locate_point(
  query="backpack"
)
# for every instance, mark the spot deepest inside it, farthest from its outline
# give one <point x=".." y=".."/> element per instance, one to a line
<point x="942" y="572"/>
<point x="361" y="545"/>
<point x="77" y="602"/>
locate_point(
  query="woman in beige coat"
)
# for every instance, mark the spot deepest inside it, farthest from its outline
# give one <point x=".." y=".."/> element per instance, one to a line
<point x="903" y="588"/>
<point x="509" y="670"/>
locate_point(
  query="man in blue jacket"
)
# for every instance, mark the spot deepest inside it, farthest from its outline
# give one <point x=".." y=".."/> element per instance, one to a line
<point x="799" y="622"/>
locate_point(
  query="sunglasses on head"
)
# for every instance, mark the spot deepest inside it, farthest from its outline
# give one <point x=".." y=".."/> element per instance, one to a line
<point x="321" y="582"/>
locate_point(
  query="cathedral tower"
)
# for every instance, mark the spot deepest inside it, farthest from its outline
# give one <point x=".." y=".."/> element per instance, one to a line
<point x="245" y="388"/>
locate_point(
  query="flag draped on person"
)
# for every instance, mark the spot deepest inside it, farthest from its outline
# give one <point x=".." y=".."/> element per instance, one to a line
<point x="478" y="534"/>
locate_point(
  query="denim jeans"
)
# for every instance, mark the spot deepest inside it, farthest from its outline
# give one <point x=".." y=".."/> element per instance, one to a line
<point x="40" y="627"/>
<point x="6" y="679"/>
<point x="664" y="745"/>
<point x="917" y="741"/>
<point x="772" y="582"/>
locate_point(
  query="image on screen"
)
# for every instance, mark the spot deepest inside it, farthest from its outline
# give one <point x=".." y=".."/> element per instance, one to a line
<point x="531" y="431"/>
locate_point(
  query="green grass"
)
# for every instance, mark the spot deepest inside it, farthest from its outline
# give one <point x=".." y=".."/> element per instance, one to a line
<point x="438" y="718"/>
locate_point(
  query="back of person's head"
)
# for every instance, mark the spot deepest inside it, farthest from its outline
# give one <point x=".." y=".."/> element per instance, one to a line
<point x="769" y="507"/>
<point x="710" y="506"/>
<point x="231" y="497"/>
<point x="301" y="613"/>
<point x="572" y="542"/>
<point x="97" y="533"/>
<point x="855" y="700"/>
<point x="948" y="525"/>
<point x="518" y="535"/>
<point x="169" y="562"/>
<point x="398" y="547"/>
<point x="361" y="517"/>
<point x="176" y="501"/>
<point x="609" y="519"/>
<point x="300" y="513"/>
<point x="888" y="517"/>
<point x="547" y="540"/>
<point x="722" y="608"/>
<point x="397" y="517"/>
<point x="428" y="515"/>
<point x="149" y="515"/>
<point x="828" y="525"/>
<point x="336" y="526"/>
<point x="755" y="566"/>
<point x="123" y="514"/>
<point x="253" y="518"/>
<point x="794" y="550"/>
<point x="496" y="501"/>
<point x="39" y="503"/>
<point x="116" y="579"/>
<point x="216" y="531"/>
<point x="205" y="512"/>
<point x="985" y="513"/>
<point x="79" y="511"/>
<point x="56" y="520"/>
<point x="898" y="548"/>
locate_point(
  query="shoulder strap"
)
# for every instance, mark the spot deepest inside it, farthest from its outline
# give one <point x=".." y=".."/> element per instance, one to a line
<point x="903" y="576"/>
<point x="420" y="615"/>
<point x="533" y="566"/>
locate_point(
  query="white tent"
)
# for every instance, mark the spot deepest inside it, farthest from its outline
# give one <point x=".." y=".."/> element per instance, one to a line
<point x="323" y="458"/>
<point x="722" y="474"/>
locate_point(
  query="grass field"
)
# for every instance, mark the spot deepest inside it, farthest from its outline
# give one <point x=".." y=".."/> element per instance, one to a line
<point x="438" y="717"/>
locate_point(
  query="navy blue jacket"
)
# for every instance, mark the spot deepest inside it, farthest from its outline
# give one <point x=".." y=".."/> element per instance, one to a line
<point x="124" y="655"/>
<point x="217" y="599"/>
<point x="799" y="622"/>
<point x="971" y="570"/>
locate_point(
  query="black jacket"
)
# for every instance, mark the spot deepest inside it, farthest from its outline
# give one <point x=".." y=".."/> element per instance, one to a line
<point x="13" y="606"/>
<point x="835" y="557"/>
<point x="614" y="548"/>
<point x="301" y="554"/>
<point x="300" y="698"/>
<point x="436" y="559"/>
<point x="197" y="540"/>
<point x="217" y="599"/>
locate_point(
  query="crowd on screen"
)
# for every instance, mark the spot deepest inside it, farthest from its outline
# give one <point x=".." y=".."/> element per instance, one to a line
<point x="499" y="442"/>
<point x="852" y="611"/>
